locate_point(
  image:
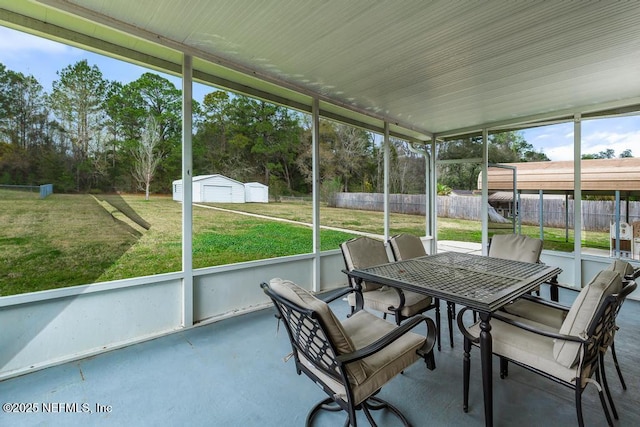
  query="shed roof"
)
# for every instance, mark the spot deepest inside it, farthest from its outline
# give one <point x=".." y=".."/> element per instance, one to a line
<point x="423" y="67"/>
<point x="596" y="175"/>
<point x="206" y="177"/>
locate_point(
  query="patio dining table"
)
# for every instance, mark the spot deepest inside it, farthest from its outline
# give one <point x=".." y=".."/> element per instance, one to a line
<point x="482" y="283"/>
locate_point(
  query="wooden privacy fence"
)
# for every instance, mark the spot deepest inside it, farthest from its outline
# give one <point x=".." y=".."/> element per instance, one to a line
<point x="597" y="215"/>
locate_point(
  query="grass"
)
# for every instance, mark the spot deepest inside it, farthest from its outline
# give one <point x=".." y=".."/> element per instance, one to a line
<point x="67" y="240"/>
<point x="56" y="241"/>
<point x="448" y="228"/>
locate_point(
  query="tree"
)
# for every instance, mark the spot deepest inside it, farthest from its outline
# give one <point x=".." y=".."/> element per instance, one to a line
<point x="128" y="107"/>
<point x="146" y="155"/>
<point x="77" y="100"/>
<point x="271" y="136"/>
<point x="217" y="148"/>
<point x="609" y="153"/>
<point x="407" y="171"/>
<point x="461" y="176"/>
<point x="504" y="147"/>
<point x="511" y="147"/>
<point x="22" y="112"/>
<point x="352" y="151"/>
<point x="327" y="135"/>
<point x="27" y="133"/>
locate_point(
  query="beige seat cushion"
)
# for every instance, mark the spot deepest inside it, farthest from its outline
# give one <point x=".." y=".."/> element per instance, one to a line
<point x="382" y="298"/>
<point x="407" y="246"/>
<point x="552" y="316"/>
<point x="515" y="247"/>
<point x="582" y="312"/>
<point x="364" y="252"/>
<point x="364" y="328"/>
<point x="527" y="347"/>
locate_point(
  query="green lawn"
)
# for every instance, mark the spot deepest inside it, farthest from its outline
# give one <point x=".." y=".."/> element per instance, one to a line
<point x="67" y="240"/>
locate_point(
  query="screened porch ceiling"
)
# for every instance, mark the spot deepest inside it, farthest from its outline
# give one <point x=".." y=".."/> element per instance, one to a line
<point x="443" y="67"/>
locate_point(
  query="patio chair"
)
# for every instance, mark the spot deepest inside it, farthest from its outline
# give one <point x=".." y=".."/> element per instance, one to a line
<point x="406" y="246"/>
<point x="349" y="360"/>
<point x="516" y="247"/>
<point x="538" y="310"/>
<point x="569" y="356"/>
<point x="363" y="252"/>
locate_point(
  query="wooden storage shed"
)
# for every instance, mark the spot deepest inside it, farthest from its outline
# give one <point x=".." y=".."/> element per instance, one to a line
<point x="212" y="189"/>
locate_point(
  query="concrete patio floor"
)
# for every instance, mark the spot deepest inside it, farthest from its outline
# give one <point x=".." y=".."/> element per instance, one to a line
<point x="231" y="373"/>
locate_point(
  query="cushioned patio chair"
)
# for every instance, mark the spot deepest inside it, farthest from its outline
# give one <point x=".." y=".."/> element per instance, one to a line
<point x="516" y="247"/>
<point x="538" y="310"/>
<point x="363" y="252"/>
<point x="407" y="246"/>
<point x="570" y="355"/>
<point x="349" y="360"/>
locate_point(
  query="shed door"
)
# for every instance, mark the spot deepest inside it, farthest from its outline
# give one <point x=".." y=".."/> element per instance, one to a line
<point x="256" y="194"/>
<point x="217" y="194"/>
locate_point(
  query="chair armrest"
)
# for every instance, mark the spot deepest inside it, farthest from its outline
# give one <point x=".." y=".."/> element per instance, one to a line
<point x="335" y="294"/>
<point x="401" y="297"/>
<point x="392" y="336"/>
<point x="530" y="328"/>
<point x="465" y="332"/>
<point x="358" y="288"/>
<point x="633" y="276"/>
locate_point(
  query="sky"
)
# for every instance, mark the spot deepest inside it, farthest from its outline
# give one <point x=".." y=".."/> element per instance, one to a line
<point x="43" y="58"/>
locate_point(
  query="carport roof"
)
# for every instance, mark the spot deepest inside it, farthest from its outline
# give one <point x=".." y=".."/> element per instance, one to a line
<point x="444" y="67"/>
<point x="601" y="175"/>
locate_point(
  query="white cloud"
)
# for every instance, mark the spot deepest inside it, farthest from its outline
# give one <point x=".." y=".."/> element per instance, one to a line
<point x="16" y="43"/>
<point x="562" y="152"/>
<point x="618" y="134"/>
<point x="618" y="142"/>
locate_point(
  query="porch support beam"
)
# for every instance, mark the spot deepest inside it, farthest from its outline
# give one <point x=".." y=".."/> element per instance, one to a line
<point x="386" y="180"/>
<point x="315" y="189"/>
<point x="434" y="197"/>
<point x="187" y="193"/>
<point x="541" y="214"/>
<point x="485" y="192"/>
<point x="577" y="199"/>
<point x="430" y="208"/>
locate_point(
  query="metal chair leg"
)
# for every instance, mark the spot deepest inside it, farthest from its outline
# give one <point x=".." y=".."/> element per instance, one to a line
<point x="602" y="399"/>
<point x="605" y="385"/>
<point x="615" y="362"/>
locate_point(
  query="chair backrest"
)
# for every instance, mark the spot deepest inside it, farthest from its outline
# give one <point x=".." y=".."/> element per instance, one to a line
<point x="515" y="247"/>
<point x="363" y="252"/>
<point x="623" y="268"/>
<point x="583" y="315"/>
<point x="316" y="335"/>
<point x="602" y="329"/>
<point x="406" y="246"/>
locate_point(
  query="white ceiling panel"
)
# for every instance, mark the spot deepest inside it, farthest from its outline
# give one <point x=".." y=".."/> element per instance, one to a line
<point x="430" y="66"/>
